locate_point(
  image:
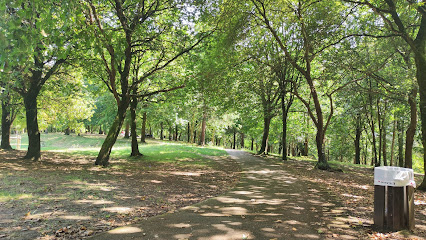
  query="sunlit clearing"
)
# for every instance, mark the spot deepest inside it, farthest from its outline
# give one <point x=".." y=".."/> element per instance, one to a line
<point x="125" y="230"/>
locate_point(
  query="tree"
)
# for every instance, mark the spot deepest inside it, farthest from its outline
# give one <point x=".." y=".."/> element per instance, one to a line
<point x="406" y="20"/>
<point x="40" y="35"/>
<point x="151" y="30"/>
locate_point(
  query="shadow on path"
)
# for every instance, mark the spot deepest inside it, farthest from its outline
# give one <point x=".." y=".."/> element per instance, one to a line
<point x="268" y="203"/>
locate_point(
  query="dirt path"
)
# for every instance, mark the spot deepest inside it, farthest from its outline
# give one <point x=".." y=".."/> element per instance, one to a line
<point x="268" y="203"/>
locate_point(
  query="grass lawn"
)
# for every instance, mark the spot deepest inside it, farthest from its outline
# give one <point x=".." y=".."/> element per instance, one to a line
<point x="65" y="196"/>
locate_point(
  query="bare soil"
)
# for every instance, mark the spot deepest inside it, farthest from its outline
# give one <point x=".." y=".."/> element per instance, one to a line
<point x="67" y="197"/>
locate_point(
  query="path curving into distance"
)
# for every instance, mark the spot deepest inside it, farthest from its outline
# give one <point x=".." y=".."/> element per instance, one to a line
<point x="267" y="203"/>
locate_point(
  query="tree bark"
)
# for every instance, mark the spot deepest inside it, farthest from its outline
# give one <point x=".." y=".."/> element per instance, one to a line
<point x="393" y="144"/>
<point x="384" y="133"/>
<point x="379" y="122"/>
<point x="143" y="129"/>
<point x="67" y="131"/>
<point x="6" y="122"/>
<point x="252" y="144"/>
<point x="127" y="130"/>
<point x="358" y="132"/>
<point x="235" y="139"/>
<point x="133" y="107"/>
<point x="203" y="127"/>
<point x="161" y="131"/>
<point x="189" y="133"/>
<point x="242" y="140"/>
<point x="372" y="127"/>
<point x="411" y="131"/>
<point x="176" y="133"/>
<point x="34" y="148"/>
<point x="266" y="125"/>
<point x="114" y="131"/>
<point x="420" y="58"/>
<point x="400" y="144"/>
<point x="284" y="136"/>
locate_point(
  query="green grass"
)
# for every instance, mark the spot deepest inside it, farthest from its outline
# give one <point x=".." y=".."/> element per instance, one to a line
<point x="156" y="151"/>
<point x="9" y="196"/>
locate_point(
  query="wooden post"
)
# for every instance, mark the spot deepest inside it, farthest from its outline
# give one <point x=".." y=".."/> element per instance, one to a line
<point x="379" y="206"/>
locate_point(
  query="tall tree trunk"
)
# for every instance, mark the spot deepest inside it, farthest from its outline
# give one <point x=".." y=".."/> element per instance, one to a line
<point x="34" y="148"/>
<point x="420" y="57"/>
<point x="114" y="131"/>
<point x="195" y="137"/>
<point x="189" y="133"/>
<point x="358" y="132"/>
<point x="176" y="132"/>
<point x="127" y="130"/>
<point x="143" y="129"/>
<point x="235" y="140"/>
<point x="133" y="107"/>
<point x="203" y="127"/>
<point x="372" y="127"/>
<point x="393" y="144"/>
<point x="284" y="136"/>
<point x="67" y="131"/>
<point x="266" y="125"/>
<point x="6" y="122"/>
<point x="252" y="144"/>
<point x="400" y="143"/>
<point x="384" y="133"/>
<point x="161" y="131"/>
<point x="242" y="140"/>
<point x="411" y="131"/>
<point x="379" y="122"/>
<point x="170" y="132"/>
<point x="100" y="130"/>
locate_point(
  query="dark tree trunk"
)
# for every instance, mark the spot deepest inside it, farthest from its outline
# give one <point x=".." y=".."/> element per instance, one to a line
<point x="384" y="133"/>
<point x="358" y="132"/>
<point x="176" y="135"/>
<point x="411" y="131"/>
<point x="114" y="131"/>
<point x="189" y="132"/>
<point x="235" y="139"/>
<point x="203" y="128"/>
<point x="284" y="136"/>
<point x="34" y="148"/>
<point x="127" y="130"/>
<point x="100" y="130"/>
<point x="393" y="143"/>
<point x="242" y="140"/>
<point x="379" y="122"/>
<point x="322" y="160"/>
<point x="400" y="143"/>
<point x="67" y="131"/>
<point x="170" y="133"/>
<point x="373" y="133"/>
<point x="266" y="125"/>
<point x="420" y="58"/>
<point x="135" y="146"/>
<point x="143" y="129"/>
<point x="6" y="122"/>
<point x="161" y="131"/>
<point x="252" y="144"/>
